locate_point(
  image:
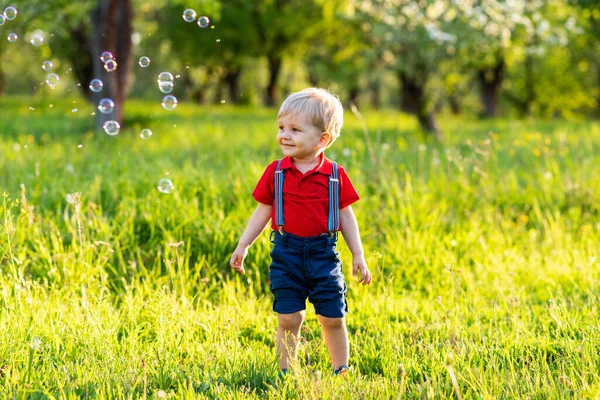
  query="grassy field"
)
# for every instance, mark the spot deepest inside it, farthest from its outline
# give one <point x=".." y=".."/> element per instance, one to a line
<point x="484" y="251"/>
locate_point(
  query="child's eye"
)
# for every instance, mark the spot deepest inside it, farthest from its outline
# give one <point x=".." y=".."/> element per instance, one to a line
<point x="296" y="130"/>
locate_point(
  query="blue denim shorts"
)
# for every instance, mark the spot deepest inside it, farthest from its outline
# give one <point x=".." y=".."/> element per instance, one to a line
<point x="307" y="268"/>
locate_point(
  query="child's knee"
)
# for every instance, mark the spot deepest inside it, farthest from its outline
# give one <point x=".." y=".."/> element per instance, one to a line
<point x="332" y="323"/>
<point x="291" y="322"/>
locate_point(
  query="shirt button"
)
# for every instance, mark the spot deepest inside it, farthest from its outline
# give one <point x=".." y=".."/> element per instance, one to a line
<point x="306" y="242"/>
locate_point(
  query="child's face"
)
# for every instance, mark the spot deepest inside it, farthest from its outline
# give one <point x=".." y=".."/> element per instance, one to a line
<point x="298" y="138"/>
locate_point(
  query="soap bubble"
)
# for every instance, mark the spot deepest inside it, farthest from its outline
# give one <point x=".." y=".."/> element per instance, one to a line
<point x="169" y="102"/>
<point x="111" y="127"/>
<point x="165" y="186"/>
<point x="144" y="62"/>
<point x="47" y="66"/>
<point x="10" y="13"/>
<point x="203" y="22"/>
<point x="12" y="37"/>
<point x="145" y="133"/>
<point x="105" y="56"/>
<point x="189" y="15"/>
<point x="37" y="39"/>
<point x="96" y="85"/>
<point x="52" y="80"/>
<point x="166" y="87"/>
<point x="105" y="106"/>
<point x="165" y="77"/>
<point x="165" y="82"/>
<point x="2" y="19"/>
<point x="110" y="65"/>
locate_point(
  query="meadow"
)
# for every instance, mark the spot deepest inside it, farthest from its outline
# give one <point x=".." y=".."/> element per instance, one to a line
<point x="484" y="251"/>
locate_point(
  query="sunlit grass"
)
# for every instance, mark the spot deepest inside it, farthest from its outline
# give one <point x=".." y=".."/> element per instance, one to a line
<point x="485" y="253"/>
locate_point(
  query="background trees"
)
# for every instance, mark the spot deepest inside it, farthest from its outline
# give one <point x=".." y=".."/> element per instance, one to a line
<point x="514" y="56"/>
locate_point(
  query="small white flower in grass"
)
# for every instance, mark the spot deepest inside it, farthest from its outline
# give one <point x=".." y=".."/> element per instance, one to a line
<point x="453" y="243"/>
<point x="547" y="175"/>
<point x="161" y="394"/>
<point x="70" y="198"/>
<point x="35" y="343"/>
<point x="385" y="146"/>
<point x="346" y="152"/>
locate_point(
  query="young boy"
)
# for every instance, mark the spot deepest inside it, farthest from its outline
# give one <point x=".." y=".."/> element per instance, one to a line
<point x="308" y="199"/>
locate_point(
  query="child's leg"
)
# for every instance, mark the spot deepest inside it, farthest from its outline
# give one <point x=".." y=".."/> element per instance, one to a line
<point x="336" y="338"/>
<point x="288" y="333"/>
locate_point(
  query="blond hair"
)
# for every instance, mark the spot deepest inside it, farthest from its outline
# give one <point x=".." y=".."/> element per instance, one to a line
<point x="323" y="110"/>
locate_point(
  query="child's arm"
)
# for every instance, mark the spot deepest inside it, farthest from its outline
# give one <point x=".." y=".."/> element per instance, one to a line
<point x="259" y="219"/>
<point x="352" y="238"/>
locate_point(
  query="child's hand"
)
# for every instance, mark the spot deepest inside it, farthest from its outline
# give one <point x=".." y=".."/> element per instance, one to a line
<point x="237" y="259"/>
<point x="359" y="264"/>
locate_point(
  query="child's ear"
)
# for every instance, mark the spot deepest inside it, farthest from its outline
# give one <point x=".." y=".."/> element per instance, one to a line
<point x="325" y="138"/>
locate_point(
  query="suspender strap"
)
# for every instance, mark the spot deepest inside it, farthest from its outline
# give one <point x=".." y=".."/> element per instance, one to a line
<point x="334" y="206"/>
<point x="279" y="197"/>
<point x="333" y="223"/>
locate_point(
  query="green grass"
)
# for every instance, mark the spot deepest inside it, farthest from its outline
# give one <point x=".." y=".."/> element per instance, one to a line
<point x="484" y="251"/>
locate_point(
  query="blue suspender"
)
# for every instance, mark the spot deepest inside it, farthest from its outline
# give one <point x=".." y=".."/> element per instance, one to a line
<point x="279" y="197"/>
<point x="333" y="223"/>
<point x="334" y="206"/>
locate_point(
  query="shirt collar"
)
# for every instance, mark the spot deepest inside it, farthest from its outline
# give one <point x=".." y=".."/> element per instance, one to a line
<point x="325" y="165"/>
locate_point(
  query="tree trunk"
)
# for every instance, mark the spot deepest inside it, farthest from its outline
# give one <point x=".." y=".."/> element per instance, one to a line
<point x="2" y="81"/>
<point x="82" y="60"/>
<point x="375" y="89"/>
<point x="490" y="82"/>
<point x="275" y="62"/>
<point x="353" y="95"/>
<point x="233" y="83"/>
<point x="454" y="100"/>
<point x="112" y="28"/>
<point x="529" y="83"/>
<point x="597" y="84"/>
<point x="415" y="101"/>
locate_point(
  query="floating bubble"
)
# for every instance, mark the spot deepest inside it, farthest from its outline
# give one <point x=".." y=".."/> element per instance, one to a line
<point x="12" y="37"/>
<point x="145" y="133"/>
<point x="169" y="102"/>
<point x="189" y="15"/>
<point x="111" y="127"/>
<point x="37" y="39"/>
<point x="144" y="62"/>
<point x="110" y="65"/>
<point x="165" y="186"/>
<point x="105" y="106"/>
<point x="165" y="77"/>
<point x="52" y="80"/>
<point x="47" y="66"/>
<point x="105" y="56"/>
<point x="203" y="22"/>
<point x="10" y="13"/>
<point x="96" y="85"/>
<point x="2" y="19"/>
<point x="166" y="87"/>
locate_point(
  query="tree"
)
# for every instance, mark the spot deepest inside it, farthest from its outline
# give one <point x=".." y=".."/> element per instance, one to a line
<point x="415" y="37"/>
<point x="280" y="25"/>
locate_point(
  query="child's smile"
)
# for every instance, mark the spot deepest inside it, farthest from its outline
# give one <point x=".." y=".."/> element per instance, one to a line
<point x="297" y="137"/>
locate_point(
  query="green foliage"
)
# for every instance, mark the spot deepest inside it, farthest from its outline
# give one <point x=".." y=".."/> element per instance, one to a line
<point x="484" y="254"/>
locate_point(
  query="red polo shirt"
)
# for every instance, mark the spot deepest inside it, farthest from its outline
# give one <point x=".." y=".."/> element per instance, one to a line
<point x="305" y="196"/>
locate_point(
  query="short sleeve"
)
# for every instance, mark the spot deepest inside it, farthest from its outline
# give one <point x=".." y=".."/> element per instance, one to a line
<point x="264" y="191"/>
<point x="348" y="194"/>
